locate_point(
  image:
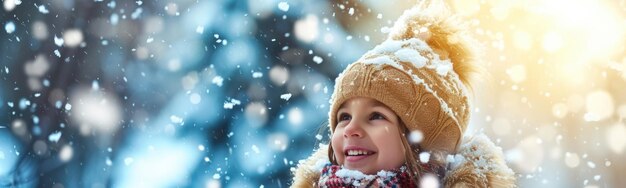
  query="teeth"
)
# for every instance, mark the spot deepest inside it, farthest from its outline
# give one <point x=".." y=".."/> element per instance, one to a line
<point x="357" y="152"/>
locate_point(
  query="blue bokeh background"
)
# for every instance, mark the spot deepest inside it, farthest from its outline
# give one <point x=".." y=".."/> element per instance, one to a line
<point x="233" y="93"/>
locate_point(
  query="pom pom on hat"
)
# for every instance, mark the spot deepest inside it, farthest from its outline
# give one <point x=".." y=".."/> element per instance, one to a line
<point x="434" y="23"/>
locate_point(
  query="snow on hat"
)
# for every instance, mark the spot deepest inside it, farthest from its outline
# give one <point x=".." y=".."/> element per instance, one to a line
<point x="421" y="72"/>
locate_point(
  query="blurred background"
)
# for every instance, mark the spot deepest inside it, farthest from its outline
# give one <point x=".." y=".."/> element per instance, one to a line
<point x="233" y="93"/>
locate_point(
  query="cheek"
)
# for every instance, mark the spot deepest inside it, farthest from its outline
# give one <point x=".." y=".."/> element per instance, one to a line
<point x="337" y="143"/>
<point x="390" y="147"/>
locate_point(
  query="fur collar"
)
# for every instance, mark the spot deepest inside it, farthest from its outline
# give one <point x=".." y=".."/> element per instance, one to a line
<point x="478" y="163"/>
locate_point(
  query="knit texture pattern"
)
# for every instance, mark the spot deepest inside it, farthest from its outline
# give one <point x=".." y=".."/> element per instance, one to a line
<point x="334" y="176"/>
<point x="421" y="72"/>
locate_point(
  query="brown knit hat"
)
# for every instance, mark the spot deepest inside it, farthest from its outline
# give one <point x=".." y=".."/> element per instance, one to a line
<point x="420" y="72"/>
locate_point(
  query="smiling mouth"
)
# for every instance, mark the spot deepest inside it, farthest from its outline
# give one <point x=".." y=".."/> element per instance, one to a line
<point x="354" y="155"/>
<point x="357" y="152"/>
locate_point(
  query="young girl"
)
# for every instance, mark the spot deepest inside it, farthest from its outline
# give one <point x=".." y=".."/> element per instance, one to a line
<point x="397" y="115"/>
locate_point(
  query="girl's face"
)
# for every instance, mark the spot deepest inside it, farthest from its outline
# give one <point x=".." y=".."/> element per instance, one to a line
<point x="367" y="136"/>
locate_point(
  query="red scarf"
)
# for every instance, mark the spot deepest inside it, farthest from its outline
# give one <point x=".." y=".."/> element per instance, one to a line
<point x="334" y="176"/>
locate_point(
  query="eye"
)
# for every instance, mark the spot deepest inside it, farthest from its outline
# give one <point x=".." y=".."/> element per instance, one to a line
<point x="377" y="116"/>
<point x="344" y="117"/>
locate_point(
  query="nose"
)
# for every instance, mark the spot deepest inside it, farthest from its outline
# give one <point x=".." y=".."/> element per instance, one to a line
<point x="353" y="129"/>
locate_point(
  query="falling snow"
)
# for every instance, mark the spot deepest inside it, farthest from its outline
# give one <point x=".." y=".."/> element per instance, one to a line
<point x="9" y="27"/>
<point x="42" y="9"/>
<point x="176" y="119"/>
<point x="230" y="104"/>
<point x="54" y="137"/>
<point x="72" y="37"/>
<point x="286" y="96"/>
<point x="218" y="80"/>
<point x="118" y="90"/>
<point x="424" y="157"/>
<point x="200" y="29"/>
<point x="58" y="41"/>
<point x="136" y="13"/>
<point x="284" y="6"/>
<point x="416" y="136"/>
<point x="318" y="137"/>
<point x="317" y="59"/>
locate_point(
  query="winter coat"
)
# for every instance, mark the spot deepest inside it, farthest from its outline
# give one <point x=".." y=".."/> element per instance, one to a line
<point x="478" y="163"/>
